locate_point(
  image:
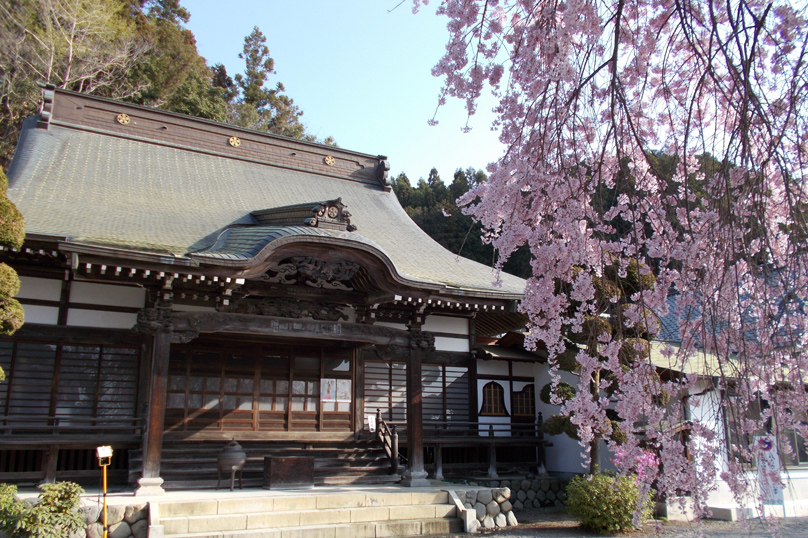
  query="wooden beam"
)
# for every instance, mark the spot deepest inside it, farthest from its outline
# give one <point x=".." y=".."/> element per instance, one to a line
<point x="401" y="354"/>
<point x="78" y="335"/>
<point x="189" y="323"/>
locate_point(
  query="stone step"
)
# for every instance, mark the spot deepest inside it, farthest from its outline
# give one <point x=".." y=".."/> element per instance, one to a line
<point x="303" y="501"/>
<point x="330" y="515"/>
<point x="303" y="518"/>
<point x="404" y="528"/>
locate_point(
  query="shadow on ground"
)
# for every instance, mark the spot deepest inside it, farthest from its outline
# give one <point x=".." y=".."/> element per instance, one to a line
<point x="557" y="523"/>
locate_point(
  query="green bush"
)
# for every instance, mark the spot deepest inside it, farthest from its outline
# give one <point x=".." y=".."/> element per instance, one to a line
<point x="12" y="315"/>
<point x="9" y="281"/>
<point x="604" y="503"/>
<point x="558" y="424"/>
<point x="592" y="327"/>
<point x="54" y="515"/>
<point x="563" y="390"/>
<point x="12" y="224"/>
<point x="567" y="360"/>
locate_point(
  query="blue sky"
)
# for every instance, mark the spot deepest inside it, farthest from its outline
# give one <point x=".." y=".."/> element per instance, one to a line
<point x="359" y="73"/>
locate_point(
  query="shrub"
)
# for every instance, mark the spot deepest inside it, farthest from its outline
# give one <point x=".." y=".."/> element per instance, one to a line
<point x="605" y="503"/>
<point x="567" y="361"/>
<point x="54" y="515"/>
<point x="9" y="281"/>
<point x="593" y="326"/>
<point x="12" y="224"/>
<point x="629" y="352"/>
<point x="12" y="315"/>
<point x="563" y="390"/>
<point x="558" y="424"/>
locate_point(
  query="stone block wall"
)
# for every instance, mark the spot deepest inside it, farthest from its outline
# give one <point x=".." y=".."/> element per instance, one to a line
<point x="534" y="493"/>
<point x="491" y="507"/>
<point x="123" y="521"/>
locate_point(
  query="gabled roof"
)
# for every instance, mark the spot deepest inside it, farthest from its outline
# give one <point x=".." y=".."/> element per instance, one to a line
<point x="108" y="174"/>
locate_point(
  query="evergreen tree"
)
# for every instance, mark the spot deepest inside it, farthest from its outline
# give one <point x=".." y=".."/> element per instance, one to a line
<point x="135" y="50"/>
<point x="174" y="76"/>
<point x="82" y="45"/>
<point x="256" y="106"/>
<point x="12" y="234"/>
<point x="433" y="206"/>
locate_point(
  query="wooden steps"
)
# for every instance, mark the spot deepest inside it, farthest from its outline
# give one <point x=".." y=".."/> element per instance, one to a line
<point x="310" y="515"/>
<point x="187" y="465"/>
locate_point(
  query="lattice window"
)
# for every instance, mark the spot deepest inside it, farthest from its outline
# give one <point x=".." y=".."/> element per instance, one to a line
<point x="493" y="400"/>
<point x="524" y="402"/>
<point x="68" y="380"/>
<point x="386" y="389"/>
<point x="445" y="392"/>
<point x="735" y="416"/>
<point x="798" y="453"/>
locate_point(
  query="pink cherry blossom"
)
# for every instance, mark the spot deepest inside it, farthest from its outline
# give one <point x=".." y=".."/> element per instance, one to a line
<point x="692" y="119"/>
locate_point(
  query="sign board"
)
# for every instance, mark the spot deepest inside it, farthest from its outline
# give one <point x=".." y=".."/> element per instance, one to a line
<point x="372" y="423"/>
<point x="328" y="390"/>
<point x="343" y="390"/>
<point x="768" y="467"/>
<point x="335" y="390"/>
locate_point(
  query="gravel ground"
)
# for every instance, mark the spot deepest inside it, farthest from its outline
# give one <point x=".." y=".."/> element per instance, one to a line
<point x="556" y="523"/>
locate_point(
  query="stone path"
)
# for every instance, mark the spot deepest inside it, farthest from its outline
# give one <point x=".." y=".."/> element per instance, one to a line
<point x="556" y="523"/>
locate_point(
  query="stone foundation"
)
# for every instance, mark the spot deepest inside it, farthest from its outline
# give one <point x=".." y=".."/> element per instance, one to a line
<point x="533" y="493"/>
<point x="123" y="521"/>
<point x="488" y="508"/>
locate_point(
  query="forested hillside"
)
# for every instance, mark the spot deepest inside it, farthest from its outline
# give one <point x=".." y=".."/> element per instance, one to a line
<point x="134" y="50"/>
<point x="432" y="205"/>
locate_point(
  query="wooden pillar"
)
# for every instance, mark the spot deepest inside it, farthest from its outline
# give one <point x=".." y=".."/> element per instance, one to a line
<point x="51" y="460"/>
<point x="438" y="462"/>
<point x="359" y="396"/>
<point x="492" y="461"/>
<point x="155" y="321"/>
<point x="415" y="475"/>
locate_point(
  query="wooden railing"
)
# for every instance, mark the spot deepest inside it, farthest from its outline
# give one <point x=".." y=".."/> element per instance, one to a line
<point x="454" y="433"/>
<point x="450" y="429"/>
<point x="388" y="436"/>
<point x="68" y="425"/>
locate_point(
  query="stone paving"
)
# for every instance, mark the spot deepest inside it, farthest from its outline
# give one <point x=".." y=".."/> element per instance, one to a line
<point x="556" y="523"/>
<point x="550" y="522"/>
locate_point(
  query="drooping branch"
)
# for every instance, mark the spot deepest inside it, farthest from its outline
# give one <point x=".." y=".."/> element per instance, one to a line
<point x="671" y="135"/>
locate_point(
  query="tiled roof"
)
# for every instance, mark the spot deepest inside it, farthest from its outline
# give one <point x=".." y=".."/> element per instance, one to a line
<point x="102" y="188"/>
<point x="496" y="351"/>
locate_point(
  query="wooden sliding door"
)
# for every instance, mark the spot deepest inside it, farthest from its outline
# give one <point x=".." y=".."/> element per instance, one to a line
<point x="225" y="386"/>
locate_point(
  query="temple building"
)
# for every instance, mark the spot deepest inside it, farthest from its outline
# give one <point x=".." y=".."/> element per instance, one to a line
<point x="187" y="282"/>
